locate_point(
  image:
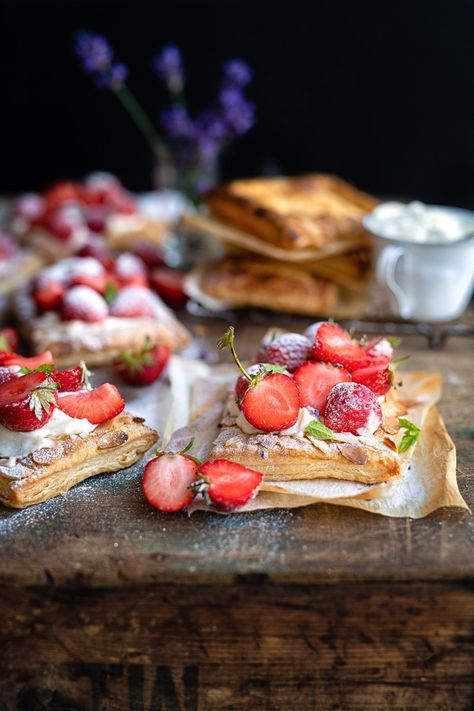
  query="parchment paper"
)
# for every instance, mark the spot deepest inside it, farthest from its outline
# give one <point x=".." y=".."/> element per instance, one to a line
<point x="428" y="483"/>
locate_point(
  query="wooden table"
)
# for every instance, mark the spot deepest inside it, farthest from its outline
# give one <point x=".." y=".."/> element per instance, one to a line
<point x="109" y="604"/>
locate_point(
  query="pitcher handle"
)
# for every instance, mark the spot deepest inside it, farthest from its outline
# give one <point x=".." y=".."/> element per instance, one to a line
<point x="386" y="267"/>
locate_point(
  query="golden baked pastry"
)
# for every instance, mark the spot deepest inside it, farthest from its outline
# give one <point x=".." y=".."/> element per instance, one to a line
<point x="50" y="471"/>
<point x="293" y="213"/>
<point x="269" y="284"/>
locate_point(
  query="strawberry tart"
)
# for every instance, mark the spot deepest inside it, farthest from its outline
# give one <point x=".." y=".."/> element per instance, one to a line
<point x="17" y="265"/>
<point x="80" y="309"/>
<point x="65" y="217"/>
<point x="317" y="405"/>
<point x="55" y="430"/>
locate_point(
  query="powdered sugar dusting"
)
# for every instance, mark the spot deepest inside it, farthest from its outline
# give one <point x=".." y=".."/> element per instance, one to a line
<point x="128" y="266"/>
<point x="351" y="407"/>
<point x="83" y="303"/>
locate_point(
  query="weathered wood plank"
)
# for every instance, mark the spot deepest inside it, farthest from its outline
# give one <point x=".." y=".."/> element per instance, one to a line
<point x="358" y="646"/>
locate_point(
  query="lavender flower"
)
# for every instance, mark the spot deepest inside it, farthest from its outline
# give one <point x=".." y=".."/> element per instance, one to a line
<point x="237" y="73"/>
<point x="169" y="65"/>
<point x="176" y="122"/>
<point x="97" y="56"/>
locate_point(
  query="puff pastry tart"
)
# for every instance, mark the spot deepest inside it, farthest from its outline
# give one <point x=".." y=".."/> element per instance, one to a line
<point x="17" y="265"/>
<point x="293" y="213"/>
<point x="79" y="310"/>
<point x="318" y="405"/>
<point x="56" y="431"/>
<point x="63" y="220"/>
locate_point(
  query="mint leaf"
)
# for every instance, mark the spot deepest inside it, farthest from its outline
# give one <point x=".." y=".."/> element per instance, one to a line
<point x="272" y="368"/>
<point x="318" y="430"/>
<point x="110" y="293"/>
<point x="410" y="436"/>
<point x="394" y="340"/>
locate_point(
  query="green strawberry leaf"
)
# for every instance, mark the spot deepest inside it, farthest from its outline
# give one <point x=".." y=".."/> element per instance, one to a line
<point x="317" y="430"/>
<point x="410" y="436"/>
<point x="47" y="368"/>
<point x="110" y="293"/>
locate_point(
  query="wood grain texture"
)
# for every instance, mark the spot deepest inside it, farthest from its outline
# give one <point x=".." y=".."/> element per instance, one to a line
<point x="250" y="645"/>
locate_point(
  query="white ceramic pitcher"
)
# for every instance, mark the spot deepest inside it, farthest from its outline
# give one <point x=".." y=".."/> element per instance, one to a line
<point x="431" y="282"/>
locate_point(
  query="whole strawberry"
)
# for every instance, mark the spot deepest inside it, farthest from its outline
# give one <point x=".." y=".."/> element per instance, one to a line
<point x="271" y="402"/>
<point x="28" y="400"/>
<point x="351" y="407"/>
<point x="289" y="349"/>
<point x="144" y="367"/>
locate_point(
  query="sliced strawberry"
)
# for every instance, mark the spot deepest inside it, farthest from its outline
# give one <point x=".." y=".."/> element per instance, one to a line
<point x="334" y="345"/>
<point x="289" y="349"/>
<point x="229" y="485"/>
<point x="134" y="302"/>
<point x="45" y="358"/>
<point x="166" y="481"/>
<point x="98" y="405"/>
<point x="272" y="404"/>
<point x="315" y="380"/>
<point x="27" y="402"/>
<point x="49" y="296"/>
<point x="19" y="387"/>
<point x="82" y="303"/>
<point x="69" y="380"/>
<point x="6" y="374"/>
<point x="144" y="367"/>
<point x="351" y="407"/>
<point x="8" y="339"/>
<point x="129" y="270"/>
<point x="169" y="285"/>
<point x="377" y="378"/>
<point x="379" y="352"/>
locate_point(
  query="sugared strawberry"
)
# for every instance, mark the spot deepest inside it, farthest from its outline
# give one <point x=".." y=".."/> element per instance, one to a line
<point x="27" y="402"/>
<point x="49" y="296"/>
<point x="29" y="206"/>
<point x="8" y="339"/>
<point x="144" y="367"/>
<point x="99" y="188"/>
<point x="96" y="218"/>
<point x="167" y="480"/>
<point x="314" y="381"/>
<point x="377" y="378"/>
<point x="129" y="270"/>
<point x="96" y="247"/>
<point x="69" y="380"/>
<point x="289" y="349"/>
<point x="98" y="405"/>
<point x="334" y="345"/>
<point x="90" y="272"/>
<point x="228" y="485"/>
<point x="134" y="302"/>
<point x="10" y="359"/>
<point x="62" y="226"/>
<point x="271" y="402"/>
<point x="351" y="407"/>
<point x="83" y="304"/>
<point x="379" y="351"/>
<point x="169" y="285"/>
<point x="6" y="374"/>
<point x="122" y="202"/>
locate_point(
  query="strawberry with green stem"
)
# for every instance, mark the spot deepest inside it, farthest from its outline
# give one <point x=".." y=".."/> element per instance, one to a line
<point x="271" y="402"/>
<point x="142" y="367"/>
<point x="27" y="401"/>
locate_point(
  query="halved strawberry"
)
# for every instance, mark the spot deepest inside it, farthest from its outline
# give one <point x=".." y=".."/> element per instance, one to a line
<point x="144" y="367"/>
<point x="69" y="380"/>
<point x="272" y="404"/>
<point x="45" y="358"/>
<point x="314" y="381"/>
<point x="228" y="485"/>
<point x="27" y="402"/>
<point x="166" y="481"/>
<point x="6" y="374"/>
<point x="379" y="351"/>
<point x="334" y="345"/>
<point x="98" y="405"/>
<point x="377" y="378"/>
<point x="8" y="339"/>
<point x="61" y="192"/>
<point x="169" y="285"/>
<point x="49" y="295"/>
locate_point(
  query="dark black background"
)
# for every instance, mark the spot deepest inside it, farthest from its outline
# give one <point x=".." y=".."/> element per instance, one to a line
<point x="381" y="93"/>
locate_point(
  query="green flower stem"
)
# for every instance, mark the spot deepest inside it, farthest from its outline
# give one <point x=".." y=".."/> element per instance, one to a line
<point x="141" y="119"/>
